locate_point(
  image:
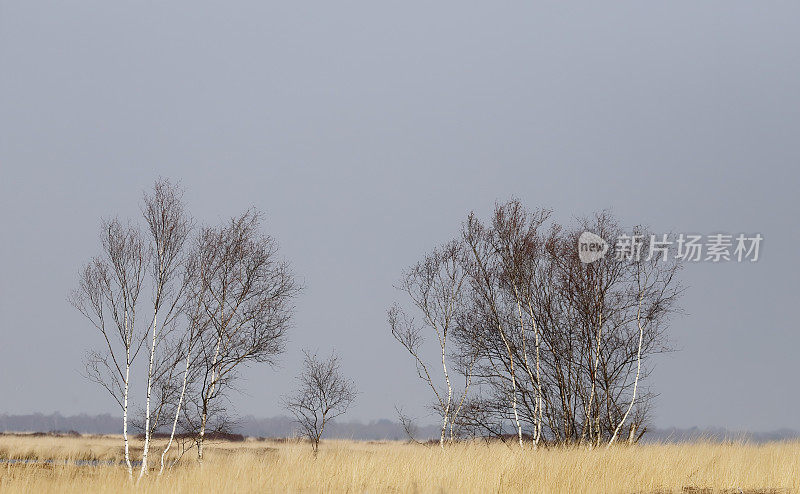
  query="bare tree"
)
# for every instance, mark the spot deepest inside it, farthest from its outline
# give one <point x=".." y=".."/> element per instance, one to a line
<point x="408" y="424"/>
<point x="323" y="395"/>
<point x="655" y="289"/>
<point x="108" y="296"/>
<point x="485" y="274"/>
<point x="516" y="240"/>
<point x="561" y="346"/>
<point x="246" y="293"/>
<point x="435" y="288"/>
<point x="196" y="324"/>
<point x="169" y="227"/>
<point x="224" y="304"/>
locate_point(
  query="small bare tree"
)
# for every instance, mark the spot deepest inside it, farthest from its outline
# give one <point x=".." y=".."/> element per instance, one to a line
<point x="408" y="424"/>
<point x="108" y="296"/>
<point x="324" y="394"/>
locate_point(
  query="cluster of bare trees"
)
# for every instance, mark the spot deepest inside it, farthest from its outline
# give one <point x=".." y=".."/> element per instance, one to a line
<point x="209" y="301"/>
<point x="512" y="332"/>
<point x="505" y="324"/>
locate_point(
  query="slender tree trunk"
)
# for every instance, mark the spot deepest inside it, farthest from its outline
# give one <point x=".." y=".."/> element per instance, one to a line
<point x="315" y="445"/>
<point x="128" y="343"/>
<point x="636" y="380"/>
<point x="202" y="436"/>
<point x="446" y="411"/>
<point x="513" y="386"/>
<point x="463" y="398"/>
<point x="318" y="436"/>
<point x="177" y="412"/>
<point x="538" y="406"/>
<point x="525" y="350"/>
<point x="594" y="384"/>
<point x="157" y="305"/>
<point x="204" y="418"/>
<point x="146" y="449"/>
<point x="632" y="433"/>
<point x="125" y="417"/>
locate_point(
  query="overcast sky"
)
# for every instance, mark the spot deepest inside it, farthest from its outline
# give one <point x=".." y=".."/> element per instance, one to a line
<point x="368" y="130"/>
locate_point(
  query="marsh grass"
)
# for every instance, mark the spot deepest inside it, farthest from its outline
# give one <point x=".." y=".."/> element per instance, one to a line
<point x="352" y="466"/>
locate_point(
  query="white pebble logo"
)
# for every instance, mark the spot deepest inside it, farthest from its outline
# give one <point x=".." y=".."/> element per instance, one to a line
<point x="591" y="247"/>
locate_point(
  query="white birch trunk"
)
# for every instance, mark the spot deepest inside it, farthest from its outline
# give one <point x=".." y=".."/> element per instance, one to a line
<point x="524" y="351"/>
<point x="516" y="414"/>
<point x="467" y="384"/>
<point x="128" y="343"/>
<point x="513" y="387"/>
<point x="125" y="417"/>
<point x="538" y="405"/>
<point x="177" y="414"/>
<point x="208" y="397"/>
<point x="636" y="380"/>
<point x="594" y="384"/>
<point x="446" y="410"/>
<point x="157" y="305"/>
<point x="146" y="449"/>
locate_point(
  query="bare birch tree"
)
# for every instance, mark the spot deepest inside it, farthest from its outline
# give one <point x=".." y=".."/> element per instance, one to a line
<point x="323" y="395"/>
<point x="169" y="227"/>
<point x="559" y="345"/>
<point x="435" y="287"/>
<point x="517" y="242"/>
<point x="108" y="296"/>
<point x="655" y="288"/>
<point x="246" y="293"/>
<point x="196" y="324"/>
<point x="485" y="270"/>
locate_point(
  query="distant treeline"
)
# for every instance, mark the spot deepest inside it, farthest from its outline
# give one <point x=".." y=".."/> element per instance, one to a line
<point x="55" y="422"/>
<point x="273" y="427"/>
<point x="282" y="426"/>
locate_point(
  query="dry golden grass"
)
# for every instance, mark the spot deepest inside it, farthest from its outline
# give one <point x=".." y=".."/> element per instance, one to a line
<point x="349" y="466"/>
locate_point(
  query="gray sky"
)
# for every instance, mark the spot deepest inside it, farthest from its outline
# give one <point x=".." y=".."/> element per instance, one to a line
<point x="368" y="130"/>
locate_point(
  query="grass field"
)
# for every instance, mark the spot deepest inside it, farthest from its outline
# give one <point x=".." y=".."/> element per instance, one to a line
<point x="351" y="466"/>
